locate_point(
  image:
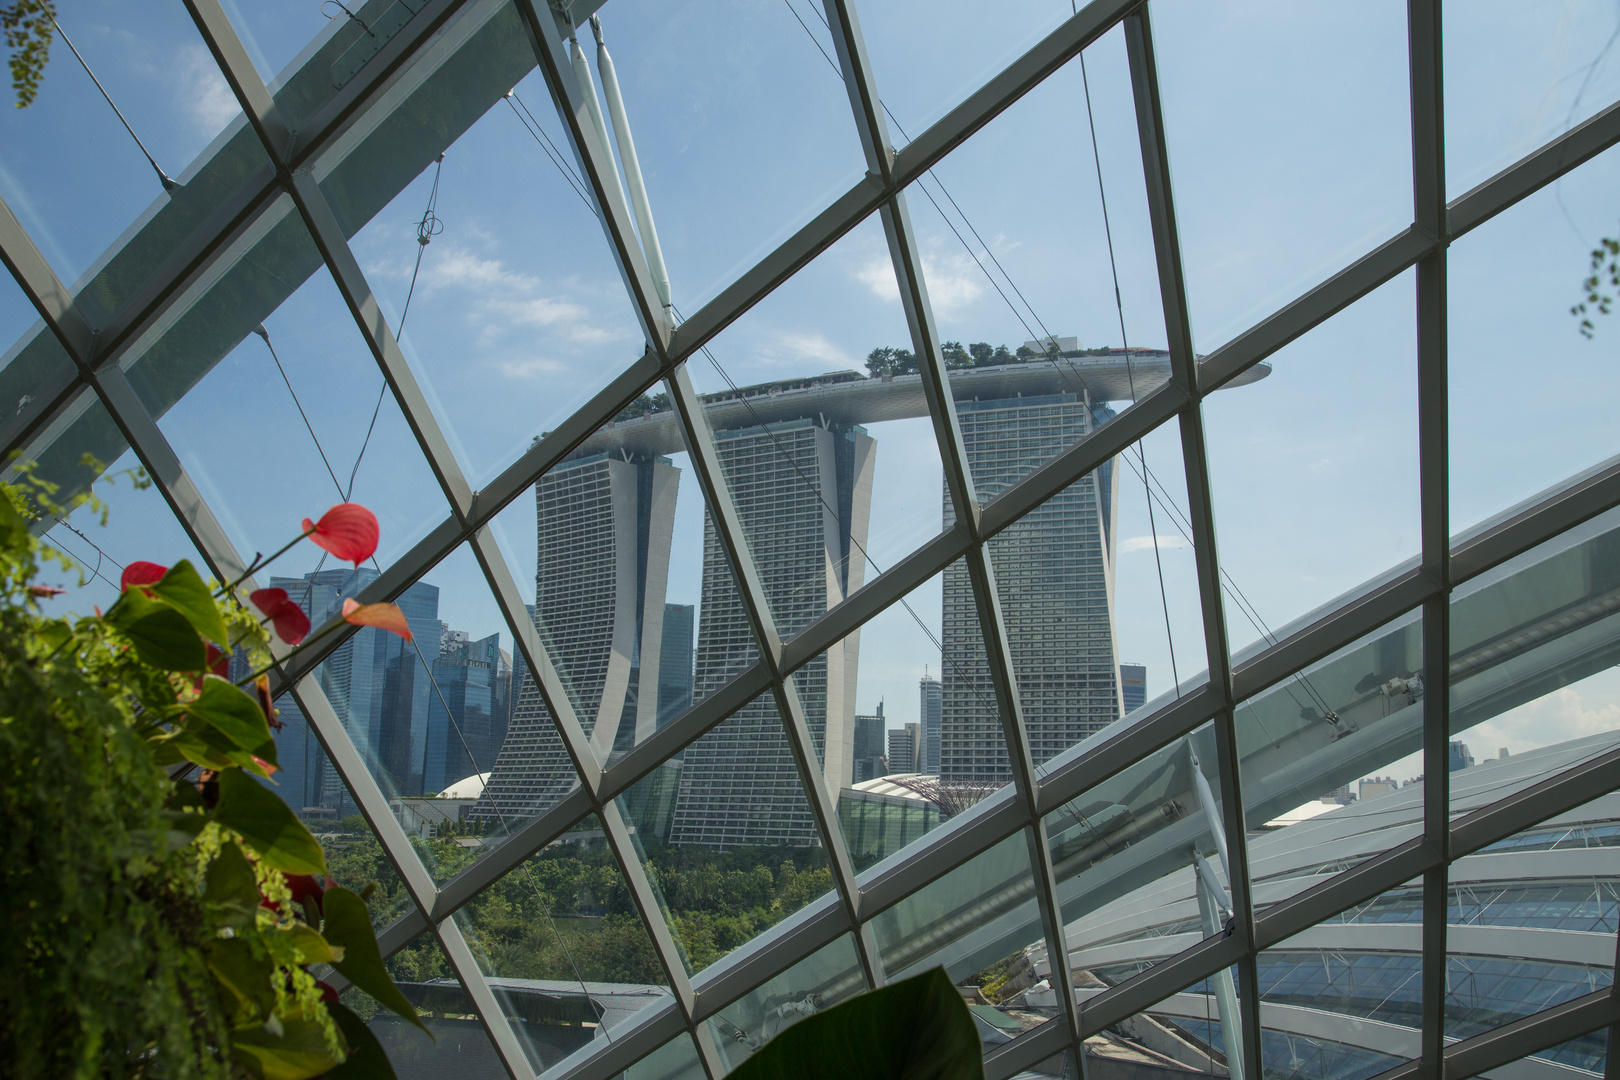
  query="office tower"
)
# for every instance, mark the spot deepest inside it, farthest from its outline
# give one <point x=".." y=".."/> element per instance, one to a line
<point x="869" y="749"/>
<point x="1460" y="756"/>
<point x="802" y="492"/>
<point x="1054" y="575"/>
<point x="378" y="683"/>
<point x="903" y="746"/>
<point x="462" y="741"/>
<point x="1132" y="687"/>
<point x="675" y="662"/>
<point x="503" y="703"/>
<point x="603" y="524"/>
<point x="928" y="705"/>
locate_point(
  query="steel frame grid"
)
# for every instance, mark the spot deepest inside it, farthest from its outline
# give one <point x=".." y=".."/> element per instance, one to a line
<point x="1445" y="562"/>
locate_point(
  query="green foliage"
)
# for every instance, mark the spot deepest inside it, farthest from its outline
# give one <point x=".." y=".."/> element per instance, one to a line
<point x="917" y="1029"/>
<point x="150" y="927"/>
<point x="29" y="26"/>
<point x="1607" y="251"/>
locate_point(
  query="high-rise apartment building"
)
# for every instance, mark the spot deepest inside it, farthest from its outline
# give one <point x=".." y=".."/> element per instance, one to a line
<point x="870" y="762"/>
<point x="1054" y="574"/>
<point x="929" y="719"/>
<point x="1132" y="687"/>
<point x="603" y="527"/>
<point x="802" y="492"/>
<point x="904" y="744"/>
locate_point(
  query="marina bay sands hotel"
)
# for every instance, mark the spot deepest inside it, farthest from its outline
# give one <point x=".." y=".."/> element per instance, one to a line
<point x="800" y="465"/>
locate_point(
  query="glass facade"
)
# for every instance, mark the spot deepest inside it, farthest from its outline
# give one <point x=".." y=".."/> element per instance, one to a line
<point x="806" y="510"/>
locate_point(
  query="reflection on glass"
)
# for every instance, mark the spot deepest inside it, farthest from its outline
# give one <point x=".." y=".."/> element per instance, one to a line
<point x="459" y="1045"/>
<point x="1142" y="859"/>
<point x="1183" y="1035"/>
<point x="675" y="1060"/>
<point x="980" y="923"/>
<point x="817" y="982"/>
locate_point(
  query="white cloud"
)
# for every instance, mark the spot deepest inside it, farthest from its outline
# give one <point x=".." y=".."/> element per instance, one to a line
<point x="1558" y="717"/>
<point x="502" y="302"/>
<point x="1145" y="543"/>
<point x="954" y="282"/>
<point x="204" y="94"/>
<point x="791" y="348"/>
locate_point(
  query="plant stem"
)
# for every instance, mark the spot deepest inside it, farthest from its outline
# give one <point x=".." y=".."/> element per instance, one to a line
<point x="261" y="563"/>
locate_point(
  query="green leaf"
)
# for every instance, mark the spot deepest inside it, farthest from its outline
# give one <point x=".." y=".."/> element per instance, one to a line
<point x="348" y="926"/>
<point x="161" y="635"/>
<point x="312" y="947"/>
<point x="246" y="975"/>
<point x="11" y="522"/>
<point x="230" y="887"/>
<point x="297" y="1053"/>
<point x="918" y="1029"/>
<point x="267" y="825"/>
<point x="367" y="1061"/>
<point x="183" y="590"/>
<point x="203" y="744"/>
<point x="234" y="714"/>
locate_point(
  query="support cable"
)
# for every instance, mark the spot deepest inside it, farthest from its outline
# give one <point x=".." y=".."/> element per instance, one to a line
<point x="168" y="182"/>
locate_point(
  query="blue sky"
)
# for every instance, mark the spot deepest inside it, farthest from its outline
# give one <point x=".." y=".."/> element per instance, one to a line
<point x="1288" y="128"/>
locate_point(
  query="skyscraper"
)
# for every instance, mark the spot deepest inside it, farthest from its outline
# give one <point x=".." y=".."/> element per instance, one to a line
<point x="1132" y="687"/>
<point x="802" y="491"/>
<point x="675" y="663"/>
<point x="377" y="683"/>
<point x="904" y="744"/>
<point x="1054" y="573"/>
<point x="463" y="740"/>
<point x="928" y="713"/>
<point x="603" y="525"/>
<point x="870" y="762"/>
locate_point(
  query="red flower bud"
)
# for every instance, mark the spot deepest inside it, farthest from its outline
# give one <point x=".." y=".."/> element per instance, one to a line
<point x="286" y="616"/>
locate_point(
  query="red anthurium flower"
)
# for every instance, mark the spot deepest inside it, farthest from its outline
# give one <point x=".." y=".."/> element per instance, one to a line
<point x="217" y="663"/>
<point x="141" y="573"/>
<point x="44" y="591"/>
<point x="329" y="996"/>
<point x="348" y="530"/>
<point x="288" y="618"/>
<point x="306" y="886"/>
<point x="386" y="616"/>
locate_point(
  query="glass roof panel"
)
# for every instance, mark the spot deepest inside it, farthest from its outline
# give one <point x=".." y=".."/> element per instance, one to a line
<point x="675" y="1060"/>
<point x="835" y="472"/>
<point x="927" y="60"/>
<point x="1160" y="808"/>
<point x="1266" y="130"/>
<point x="560" y="934"/>
<point x="1342" y="999"/>
<point x="742" y="130"/>
<point x="298" y="406"/>
<point x="907" y="725"/>
<point x="138" y="526"/>
<point x="1184" y="1034"/>
<point x="276" y="33"/>
<point x="1510" y="285"/>
<point x="73" y="175"/>
<point x="821" y="980"/>
<point x="1534" y="645"/>
<point x="1313" y="470"/>
<point x="1519" y="76"/>
<point x="516" y="312"/>
<point x="1327" y="756"/>
<point x="459" y="1043"/>
<point x="979" y="922"/>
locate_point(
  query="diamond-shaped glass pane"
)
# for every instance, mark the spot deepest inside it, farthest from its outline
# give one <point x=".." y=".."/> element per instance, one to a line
<point x="459" y="1042"/>
<point x="819" y="981"/>
<point x="1282" y="467"/>
<point x="1509" y="287"/>
<point x="1263" y="128"/>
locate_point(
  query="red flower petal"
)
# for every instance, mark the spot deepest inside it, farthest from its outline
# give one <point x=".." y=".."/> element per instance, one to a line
<point x="217" y="663"/>
<point x="329" y="996"/>
<point x="386" y="616"/>
<point x="45" y="591"/>
<point x="288" y="618"/>
<point x="141" y="573"/>
<point x="348" y="530"/>
<point x="303" y="885"/>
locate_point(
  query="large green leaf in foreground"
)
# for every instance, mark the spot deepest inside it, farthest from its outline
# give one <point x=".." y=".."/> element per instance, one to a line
<point x="918" y="1029"/>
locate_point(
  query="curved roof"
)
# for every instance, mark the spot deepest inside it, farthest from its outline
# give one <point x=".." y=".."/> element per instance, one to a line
<point x="469" y="787"/>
